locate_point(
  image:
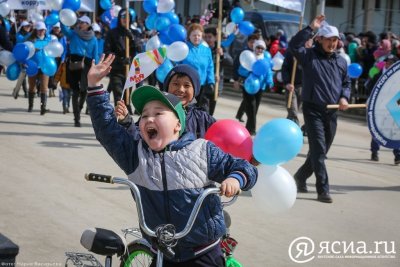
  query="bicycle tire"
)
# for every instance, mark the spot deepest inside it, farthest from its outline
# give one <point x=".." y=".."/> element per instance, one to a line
<point x="138" y="255"/>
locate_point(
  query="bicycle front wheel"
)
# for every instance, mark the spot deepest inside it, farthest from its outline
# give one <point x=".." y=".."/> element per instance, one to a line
<point x="138" y="255"/>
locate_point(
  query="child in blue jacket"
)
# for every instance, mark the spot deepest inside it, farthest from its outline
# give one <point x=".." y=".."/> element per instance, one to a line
<point x="170" y="168"/>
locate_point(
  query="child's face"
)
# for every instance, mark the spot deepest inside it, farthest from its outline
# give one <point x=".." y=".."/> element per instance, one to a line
<point x="158" y="125"/>
<point x="181" y="87"/>
<point x="196" y="37"/>
<point x="210" y="39"/>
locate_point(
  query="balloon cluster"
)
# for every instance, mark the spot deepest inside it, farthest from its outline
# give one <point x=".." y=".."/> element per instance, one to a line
<point x="257" y="68"/>
<point x="237" y="16"/>
<point x="277" y="142"/>
<point x="163" y="20"/>
<point x="62" y="11"/>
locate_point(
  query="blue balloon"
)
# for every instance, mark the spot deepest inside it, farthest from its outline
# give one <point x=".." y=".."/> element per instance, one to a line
<point x="237" y="15"/>
<point x="132" y="14"/>
<point x="164" y="38"/>
<point x="31" y="68"/>
<point x="173" y="18"/>
<point x="354" y="70"/>
<point x="246" y="27"/>
<point x="52" y="18"/>
<point x="260" y="67"/>
<point x="252" y="84"/>
<point x="277" y="142"/>
<point x="150" y="6"/>
<point x="13" y="71"/>
<point x="150" y="21"/>
<point x="106" y="17"/>
<point x="162" y="23"/>
<point x="105" y="4"/>
<point x="21" y="52"/>
<point x="163" y="70"/>
<point x="267" y="55"/>
<point x="113" y="23"/>
<point x="49" y="66"/>
<point x="72" y="4"/>
<point x="177" y="32"/>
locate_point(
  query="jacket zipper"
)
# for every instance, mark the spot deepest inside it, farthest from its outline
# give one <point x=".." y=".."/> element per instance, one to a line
<point x="165" y="187"/>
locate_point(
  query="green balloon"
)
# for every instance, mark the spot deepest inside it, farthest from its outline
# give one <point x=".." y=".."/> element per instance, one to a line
<point x="372" y="72"/>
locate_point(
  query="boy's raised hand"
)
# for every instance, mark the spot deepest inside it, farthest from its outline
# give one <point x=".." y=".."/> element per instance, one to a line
<point x="121" y="111"/>
<point x="99" y="71"/>
<point x="230" y="187"/>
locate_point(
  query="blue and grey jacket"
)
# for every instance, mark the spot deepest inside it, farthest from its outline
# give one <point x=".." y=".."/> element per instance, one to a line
<point x="170" y="181"/>
<point x="325" y="78"/>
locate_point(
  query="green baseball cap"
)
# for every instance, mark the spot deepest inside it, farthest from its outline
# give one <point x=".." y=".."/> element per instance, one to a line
<point x="144" y="94"/>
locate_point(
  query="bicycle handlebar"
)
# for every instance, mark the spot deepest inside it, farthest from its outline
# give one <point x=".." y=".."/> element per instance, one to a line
<point x="111" y="180"/>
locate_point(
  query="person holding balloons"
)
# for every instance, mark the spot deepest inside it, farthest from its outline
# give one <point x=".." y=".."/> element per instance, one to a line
<point x="40" y="39"/>
<point x="115" y="44"/>
<point x="82" y="48"/>
<point x="200" y="58"/>
<point x="325" y="81"/>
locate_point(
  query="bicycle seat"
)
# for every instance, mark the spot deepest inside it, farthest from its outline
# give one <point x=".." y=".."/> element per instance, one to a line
<point x="103" y="242"/>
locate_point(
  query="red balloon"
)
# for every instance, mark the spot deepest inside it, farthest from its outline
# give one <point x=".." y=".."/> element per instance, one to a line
<point x="232" y="137"/>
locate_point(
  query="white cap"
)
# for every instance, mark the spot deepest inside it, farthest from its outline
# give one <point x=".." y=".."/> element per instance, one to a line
<point x="85" y="19"/>
<point x="40" y="25"/>
<point x="259" y="43"/>
<point x="328" y="31"/>
<point x="24" y="23"/>
<point x="57" y="25"/>
<point x="96" y="27"/>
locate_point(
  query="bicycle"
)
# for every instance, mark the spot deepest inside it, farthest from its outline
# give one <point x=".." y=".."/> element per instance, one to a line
<point x="139" y="252"/>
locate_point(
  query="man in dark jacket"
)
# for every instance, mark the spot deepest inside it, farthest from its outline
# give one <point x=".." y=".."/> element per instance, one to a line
<point x="115" y="44"/>
<point x="325" y="81"/>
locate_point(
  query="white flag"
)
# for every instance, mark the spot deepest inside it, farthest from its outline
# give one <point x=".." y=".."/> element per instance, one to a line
<point x="296" y="5"/>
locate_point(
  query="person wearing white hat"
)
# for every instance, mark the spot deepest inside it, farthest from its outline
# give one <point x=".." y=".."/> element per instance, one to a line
<point x="325" y="81"/>
<point x="40" y="39"/>
<point x="83" y="49"/>
<point x="24" y="31"/>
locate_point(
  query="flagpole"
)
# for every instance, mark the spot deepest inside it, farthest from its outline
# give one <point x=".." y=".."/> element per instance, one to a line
<point x="289" y="103"/>
<point x="127" y="19"/>
<point x="217" y="56"/>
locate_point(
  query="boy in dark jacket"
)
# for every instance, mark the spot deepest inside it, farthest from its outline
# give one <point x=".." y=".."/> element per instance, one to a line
<point x="170" y="168"/>
<point x="184" y="82"/>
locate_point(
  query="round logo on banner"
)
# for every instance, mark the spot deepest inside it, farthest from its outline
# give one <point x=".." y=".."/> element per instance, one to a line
<point x="384" y="108"/>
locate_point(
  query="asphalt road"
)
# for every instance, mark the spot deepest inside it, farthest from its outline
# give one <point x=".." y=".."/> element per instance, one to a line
<point x="45" y="203"/>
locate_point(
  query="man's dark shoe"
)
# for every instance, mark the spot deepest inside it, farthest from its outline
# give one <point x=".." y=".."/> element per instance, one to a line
<point x="325" y="197"/>
<point x="374" y="156"/>
<point x="301" y="186"/>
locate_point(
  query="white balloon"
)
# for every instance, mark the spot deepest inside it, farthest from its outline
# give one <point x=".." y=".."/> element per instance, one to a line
<point x="116" y="9"/>
<point x="230" y="28"/>
<point x="31" y="47"/>
<point x="165" y="6"/>
<point x="177" y="51"/>
<point x="53" y="37"/>
<point x="247" y="59"/>
<point x="54" y="49"/>
<point x="153" y="43"/>
<point x="6" y="58"/>
<point x="36" y="17"/>
<point x="67" y="17"/>
<point x="4" y="9"/>
<point x="55" y="4"/>
<point x="277" y="63"/>
<point x="346" y="57"/>
<point x="275" y="190"/>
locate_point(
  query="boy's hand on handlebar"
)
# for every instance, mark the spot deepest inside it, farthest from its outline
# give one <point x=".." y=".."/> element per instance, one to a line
<point x="230" y="187"/>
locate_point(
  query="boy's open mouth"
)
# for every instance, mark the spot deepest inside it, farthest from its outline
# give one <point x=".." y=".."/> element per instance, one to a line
<point x="151" y="132"/>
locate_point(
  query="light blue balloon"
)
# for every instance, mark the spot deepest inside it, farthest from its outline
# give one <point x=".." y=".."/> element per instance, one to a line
<point x="277" y="142"/>
<point x="113" y="23"/>
<point x="20" y="52"/>
<point x="163" y="70"/>
<point x="354" y="70"/>
<point x="150" y="21"/>
<point x="150" y="6"/>
<point x="246" y="27"/>
<point x="7" y="25"/>
<point x="162" y="23"/>
<point x="237" y="15"/>
<point x="173" y="18"/>
<point x="52" y="18"/>
<point x="260" y="67"/>
<point x="74" y="4"/>
<point x="49" y="66"/>
<point x="252" y="84"/>
<point x="13" y="71"/>
<point x="105" y="4"/>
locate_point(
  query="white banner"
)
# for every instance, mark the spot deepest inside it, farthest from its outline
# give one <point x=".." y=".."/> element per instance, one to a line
<point x="296" y="5"/>
<point x="86" y="5"/>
